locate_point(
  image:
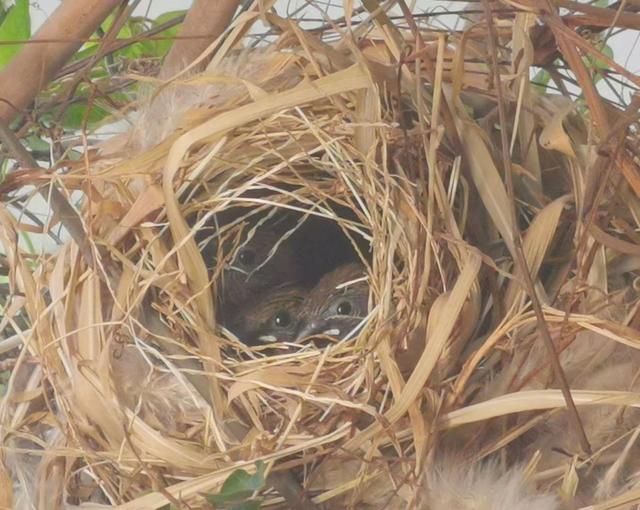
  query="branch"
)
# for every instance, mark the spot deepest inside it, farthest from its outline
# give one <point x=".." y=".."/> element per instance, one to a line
<point x="119" y="44"/>
<point x="59" y="203"/>
<point x="203" y="24"/>
<point x="520" y="259"/>
<point x="36" y="64"/>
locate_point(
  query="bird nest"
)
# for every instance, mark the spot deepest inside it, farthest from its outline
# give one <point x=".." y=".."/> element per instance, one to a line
<point x="134" y="390"/>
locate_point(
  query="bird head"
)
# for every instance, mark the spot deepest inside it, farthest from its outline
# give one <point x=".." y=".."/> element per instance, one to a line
<point x="258" y="263"/>
<point x="336" y="305"/>
<point x="271" y="318"/>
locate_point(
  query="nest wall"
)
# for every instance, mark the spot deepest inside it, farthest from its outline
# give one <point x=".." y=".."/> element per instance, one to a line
<point x="142" y="398"/>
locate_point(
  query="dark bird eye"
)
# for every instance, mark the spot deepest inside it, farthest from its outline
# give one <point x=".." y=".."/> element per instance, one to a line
<point x="282" y="319"/>
<point x="246" y="257"/>
<point x="344" y="308"/>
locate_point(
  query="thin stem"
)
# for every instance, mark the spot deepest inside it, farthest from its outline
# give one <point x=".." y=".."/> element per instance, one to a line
<point x="521" y="261"/>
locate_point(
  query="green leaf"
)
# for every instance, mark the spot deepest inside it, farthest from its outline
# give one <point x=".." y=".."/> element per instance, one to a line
<point x="593" y="62"/>
<point x="240" y="480"/>
<point x="106" y="24"/>
<point x="3" y="13"/>
<point x="247" y="505"/>
<point x="16" y="26"/>
<point x="143" y="48"/>
<point x="87" y="50"/>
<point x="74" y="116"/>
<point x="239" y="486"/>
<point x="608" y="51"/>
<point x="163" y="45"/>
<point x="39" y="148"/>
<point x="26" y="238"/>
<point x="540" y="81"/>
<point x="37" y="144"/>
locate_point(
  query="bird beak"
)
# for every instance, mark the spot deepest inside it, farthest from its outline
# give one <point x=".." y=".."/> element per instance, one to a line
<point x="317" y="328"/>
<point x="309" y="330"/>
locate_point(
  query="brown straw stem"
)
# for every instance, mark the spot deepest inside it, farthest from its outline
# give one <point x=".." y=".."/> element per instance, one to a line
<point x="520" y="261"/>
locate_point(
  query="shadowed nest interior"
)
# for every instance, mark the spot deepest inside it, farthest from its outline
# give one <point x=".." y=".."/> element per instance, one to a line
<point x="348" y="151"/>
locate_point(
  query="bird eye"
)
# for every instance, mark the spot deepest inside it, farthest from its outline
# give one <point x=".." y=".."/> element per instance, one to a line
<point x="344" y="308"/>
<point x="246" y="257"/>
<point x="282" y="319"/>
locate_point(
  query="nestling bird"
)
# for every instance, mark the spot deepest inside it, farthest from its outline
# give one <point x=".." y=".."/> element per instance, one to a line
<point x="260" y="262"/>
<point x="336" y="305"/>
<point x="271" y="317"/>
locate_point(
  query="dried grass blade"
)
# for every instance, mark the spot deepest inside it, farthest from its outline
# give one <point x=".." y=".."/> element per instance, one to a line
<point x="524" y="22"/>
<point x="150" y="200"/>
<point x="433" y="348"/>
<point x="535" y="400"/>
<point x="347" y="80"/>
<point x="622" y="501"/>
<point x="535" y="244"/>
<point x="210" y="481"/>
<point x="613" y="243"/>
<point x="6" y="488"/>
<point x="88" y="342"/>
<point x="487" y="180"/>
<point x="437" y="338"/>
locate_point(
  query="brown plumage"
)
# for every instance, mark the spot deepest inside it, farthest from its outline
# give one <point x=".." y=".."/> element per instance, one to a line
<point x="259" y="263"/>
<point x="333" y="308"/>
<point x="271" y="317"/>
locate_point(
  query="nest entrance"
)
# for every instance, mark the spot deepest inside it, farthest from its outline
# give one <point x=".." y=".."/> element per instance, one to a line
<point x="323" y="246"/>
<point x="265" y="263"/>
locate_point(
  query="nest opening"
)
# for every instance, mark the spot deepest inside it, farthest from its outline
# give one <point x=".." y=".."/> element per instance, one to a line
<point x="258" y="257"/>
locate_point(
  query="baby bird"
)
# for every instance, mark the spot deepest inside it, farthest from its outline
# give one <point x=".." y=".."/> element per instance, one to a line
<point x="259" y="263"/>
<point x="336" y="305"/>
<point x="271" y="317"/>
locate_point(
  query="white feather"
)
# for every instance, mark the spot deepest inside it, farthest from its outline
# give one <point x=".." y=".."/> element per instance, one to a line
<point x="453" y="485"/>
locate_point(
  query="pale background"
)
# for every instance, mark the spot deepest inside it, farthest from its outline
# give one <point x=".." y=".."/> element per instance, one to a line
<point x="625" y="45"/>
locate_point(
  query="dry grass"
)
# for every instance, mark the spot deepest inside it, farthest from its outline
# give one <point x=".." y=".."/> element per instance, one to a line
<point x="127" y="393"/>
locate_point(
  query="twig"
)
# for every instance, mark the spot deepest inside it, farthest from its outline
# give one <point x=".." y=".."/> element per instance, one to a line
<point x="35" y="64"/>
<point x="60" y="205"/>
<point x="70" y="87"/>
<point x="521" y="261"/>
<point x="119" y="44"/>
<point x="208" y="17"/>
